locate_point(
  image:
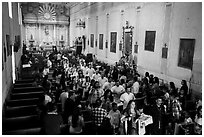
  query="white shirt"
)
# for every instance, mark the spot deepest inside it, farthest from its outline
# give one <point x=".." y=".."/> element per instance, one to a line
<point x="125" y="98"/>
<point x="102" y="81"/>
<point x="135" y="87"/>
<point x="47" y="99"/>
<point x="62" y="98"/>
<point x="90" y="72"/>
<point x="106" y="86"/>
<point x="49" y="63"/>
<point x="58" y="56"/>
<point x="45" y="72"/>
<point x="118" y="91"/>
<point x="96" y="76"/>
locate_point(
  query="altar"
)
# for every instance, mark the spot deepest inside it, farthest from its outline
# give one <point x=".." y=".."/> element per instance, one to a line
<point x="46" y="25"/>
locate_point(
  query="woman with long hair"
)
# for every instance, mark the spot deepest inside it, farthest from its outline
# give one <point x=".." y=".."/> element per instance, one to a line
<point x="172" y="89"/>
<point x="107" y="99"/>
<point x="129" y="117"/>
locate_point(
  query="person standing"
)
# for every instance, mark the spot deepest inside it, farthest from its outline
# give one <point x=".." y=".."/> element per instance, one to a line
<point x="115" y="116"/>
<point x="63" y="97"/>
<point x="126" y="97"/>
<point x="69" y="106"/>
<point x="117" y="90"/>
<point x="98" y="114"/>
<point x="51" y="121"/>
<point x="157" y="111"/>
<point x="135" y="86"/>
<point x="76" y="122"/>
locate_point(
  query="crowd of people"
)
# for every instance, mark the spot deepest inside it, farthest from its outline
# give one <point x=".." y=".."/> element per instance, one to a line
<point x="111" y="95"/>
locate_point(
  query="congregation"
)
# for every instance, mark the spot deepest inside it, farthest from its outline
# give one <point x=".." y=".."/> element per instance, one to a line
<point x="116" y="99"/>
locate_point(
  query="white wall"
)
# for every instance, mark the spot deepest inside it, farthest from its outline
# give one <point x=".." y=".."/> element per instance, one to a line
<point x="185" y="22"/>
<point x="10" y="26"/>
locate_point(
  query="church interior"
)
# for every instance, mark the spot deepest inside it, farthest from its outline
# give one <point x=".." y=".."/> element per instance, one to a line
<point x="101" y="68"/>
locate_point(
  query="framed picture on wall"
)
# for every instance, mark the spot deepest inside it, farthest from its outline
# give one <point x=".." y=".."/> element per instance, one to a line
<point x="186" y="53"/>
<point x="4" y="53"/>
<point x="8" y="45"/>
<point x="135" y="48"/>
<point x="101" y="41"/>
<point x="17" y="43"/>
<point x="150" y="40"/>
<point x="113" y="42"/>
<point x="92" y="40"/>
<point x="164" y="52"/>
<point x="3" y="57"/>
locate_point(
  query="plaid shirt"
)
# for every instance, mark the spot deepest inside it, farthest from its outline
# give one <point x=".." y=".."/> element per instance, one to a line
<point x="98" y="115"/>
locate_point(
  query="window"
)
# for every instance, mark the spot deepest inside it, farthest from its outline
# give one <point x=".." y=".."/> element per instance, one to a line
<point x="150" y="40"/>
<point x="186" y="53"/>
<point x="92" y="40"/>
<point x="101" y="41"/>
<point x="10" y="9"/>
<point x="113" y="42"/>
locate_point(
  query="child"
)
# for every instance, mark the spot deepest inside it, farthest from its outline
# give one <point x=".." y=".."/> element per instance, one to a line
<point x="115" y="116"/>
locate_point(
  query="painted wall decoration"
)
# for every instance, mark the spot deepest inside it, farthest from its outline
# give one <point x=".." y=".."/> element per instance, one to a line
<point x="92" y="40"/>
<point x="186" y="53"/>
<point x="101" y="41"/>
<point x="47" y="22"/>
<point x="113" y="42"/>
<point x="150" y="40"/>
<point x="47" y="12"/>
<point x="17" y="43"/>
